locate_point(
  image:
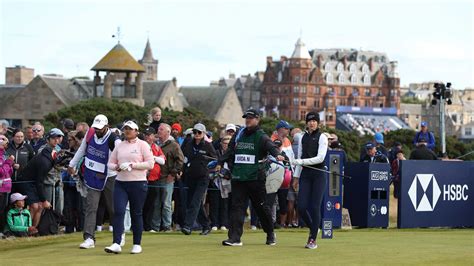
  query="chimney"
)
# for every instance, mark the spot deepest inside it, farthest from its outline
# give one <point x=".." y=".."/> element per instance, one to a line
<point x="283" y="59"/>
<point x="320" y="61"/>
<point x="344" y="61"/>
<point x="269" y="60"/>
<point x="175" y="82"/>
<point x="371" y="64"/>
<point x="18" y="75"/>
<point x="231" y="75"/>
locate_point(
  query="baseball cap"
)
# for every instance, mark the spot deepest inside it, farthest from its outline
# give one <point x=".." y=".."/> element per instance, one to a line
<point x="188" y="131"/>
<point x="16" y="197"/>
<point x="251" y="113"/>
<point x="369" y="145"/>
<point x="200" y="127"/>
<point x="149" y="131"/>
<point x="283" y="124"/>
<point x="100" y="121"/>
<point x="312" y="116"/>
<point x="68" y="123"/>
<point x="230" y="127"/>
<point x="130" y="124"/>
<point x="424" y="124"/>
<point x="378" y="137"/>
<point x="55" y="132"/>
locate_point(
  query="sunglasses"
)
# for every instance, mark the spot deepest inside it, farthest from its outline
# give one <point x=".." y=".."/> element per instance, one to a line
<point x="197" y="132"/>
<point x="36" y="130"/>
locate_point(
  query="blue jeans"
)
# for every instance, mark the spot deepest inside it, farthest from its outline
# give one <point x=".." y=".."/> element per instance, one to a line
<point x="162" y="212"/>
<point x="135" y="193"/>
<point x="312" y="185"/>
<point x="197" y="187"/>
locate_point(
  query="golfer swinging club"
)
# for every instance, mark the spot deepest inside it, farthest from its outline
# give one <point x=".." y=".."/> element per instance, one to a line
<point x="312" y="149"/>
<point x="246" y="149"/>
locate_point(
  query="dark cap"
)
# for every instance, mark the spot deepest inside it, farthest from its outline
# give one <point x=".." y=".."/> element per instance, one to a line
<point x="252" y="113"/>
<point x="369" y="145"/>
<point x="68" y="123"/>
<point x="283" y="124"/>
<point x="149" y="131"/>
<point x="312" y="116"/>
<point x="278" y="143"/>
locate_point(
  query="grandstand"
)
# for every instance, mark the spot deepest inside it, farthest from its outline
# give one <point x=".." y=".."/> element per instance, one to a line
<point x="368" y="120"/>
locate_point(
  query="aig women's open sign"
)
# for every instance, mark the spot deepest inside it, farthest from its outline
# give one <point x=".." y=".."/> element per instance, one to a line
<point x="436" y="194"/>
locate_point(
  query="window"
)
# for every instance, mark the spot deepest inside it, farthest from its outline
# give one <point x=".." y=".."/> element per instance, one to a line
<point x="342" y="79"/>
<point x="352" y="68"/>
<point x="296" y="89"/>
<point x="316" y="103"/>
<point x="329" y="78"/>
<point x="340" y="67"/>
<point x="296" y="101"/>
<point x="366" y="79"/>
<point x="363" y="58"/>
<point x="329" y="117"/>
<point x="366" y="103"/>
<point x="278" y="101"/>
<point x="327" y="67"/>
<point x="353" y="79"/>
<point x="302" y="115"/>
<point x="342" y="102"/>
<point x="303" y="89"/>
<point x="367" y="92"/>
<point x="316" y="90"/>
<point x="303" y="101"/>
<point x="468" y="131"/>
<point x="365" y="69"/>
<point x="297" y="78"/>
<point x="329" y="103"/>
<point x="342" y="92"/>
<point x="330" y="91"/>
<point x="376" y="59"/>
<point x="355" y="92"/>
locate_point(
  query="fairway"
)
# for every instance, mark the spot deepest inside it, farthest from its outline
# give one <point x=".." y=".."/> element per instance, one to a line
<point x="364" y="246"/>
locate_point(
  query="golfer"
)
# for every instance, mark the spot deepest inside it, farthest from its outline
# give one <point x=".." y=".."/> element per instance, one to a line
<point x="312" y="150"/>
<point x="132" y="158"/>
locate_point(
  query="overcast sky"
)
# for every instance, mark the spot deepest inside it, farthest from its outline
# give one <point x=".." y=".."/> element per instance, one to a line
<point x="200" y="41"/>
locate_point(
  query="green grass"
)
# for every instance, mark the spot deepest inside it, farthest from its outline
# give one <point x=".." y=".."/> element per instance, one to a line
<point x="357" y="246"/>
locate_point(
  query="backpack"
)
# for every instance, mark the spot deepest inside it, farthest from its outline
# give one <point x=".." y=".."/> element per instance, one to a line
<point x="49" y="223"/>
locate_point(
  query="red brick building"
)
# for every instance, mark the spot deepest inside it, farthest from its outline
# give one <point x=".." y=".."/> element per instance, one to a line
<point x="322" y="79"/>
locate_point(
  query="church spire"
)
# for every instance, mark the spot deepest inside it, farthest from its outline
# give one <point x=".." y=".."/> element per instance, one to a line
<point x="301" y="52"/>
<point x="148" y="54"/>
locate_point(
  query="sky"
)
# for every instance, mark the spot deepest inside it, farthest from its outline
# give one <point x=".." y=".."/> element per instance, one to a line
<point x="200" y="41"/>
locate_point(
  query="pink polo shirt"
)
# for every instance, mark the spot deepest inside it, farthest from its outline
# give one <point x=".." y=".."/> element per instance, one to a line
<point x="138" y="153"/>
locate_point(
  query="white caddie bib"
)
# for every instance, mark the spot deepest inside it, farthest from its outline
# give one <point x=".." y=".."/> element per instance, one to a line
<point x="244" y="159"/>
<point x="94" y="166"/>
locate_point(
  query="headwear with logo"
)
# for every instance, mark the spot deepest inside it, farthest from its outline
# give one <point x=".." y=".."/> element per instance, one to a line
<point x="230" y="127"/>
<point x="369" y="145"/>
<point x="149" y="131"/>
<point x="55" y="132"/>
<point x="251" y="113"/>
<point x="312" y="116"/>
<point x="130" y="124"/>
<point x="283" y="124"/>
<point x="100" y="121"/>
<point x="424" y="124"/>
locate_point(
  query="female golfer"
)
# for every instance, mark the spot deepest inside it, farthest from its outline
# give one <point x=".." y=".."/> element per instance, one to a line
<point x="131" y="159"/>
<point x="312" y="150"/>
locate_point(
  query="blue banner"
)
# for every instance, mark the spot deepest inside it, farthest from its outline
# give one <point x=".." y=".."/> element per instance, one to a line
<point x="436" y="194"/>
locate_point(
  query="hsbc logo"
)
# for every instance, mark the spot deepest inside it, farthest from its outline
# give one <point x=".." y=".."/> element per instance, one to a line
<point x="424" y="192"/>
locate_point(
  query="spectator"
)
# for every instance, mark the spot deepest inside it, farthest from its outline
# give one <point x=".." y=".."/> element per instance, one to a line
<point x="392" y="153"/>
<point x="422" y="152"/>
<point x="378" y="138"/>
<point x="38" y="140"/>
<point x="19" y="218"/>
<point x="6" y="170"/>
<point x="153" y="178"/>
<point x="28" y="134"/>
<point x="176" y="133"/>
<point x="293" y="190"/>
<point x="188" y="135"/>
<point x="171" y="172"/>
<point x="68" y="126"/>
<point x="156" y="120"/>
<point x="230" y="130"/>
<point x="426" y="135"/>
<point x="131" y="158"/>
<point x="34" y="174"/>
<point x="372" y="156"/>
<point x="22" y="151"/>
<point x="395" y="167"/>
<point x="219" y="206"/>
<point x="95" y="148"/>
<point x="73" y="211"/>
<point x="82" y="126"/>
<point x="197" y="154"/>
<point x="4" y="127"/>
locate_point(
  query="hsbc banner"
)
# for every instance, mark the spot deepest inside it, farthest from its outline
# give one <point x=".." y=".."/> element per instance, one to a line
<point x="436" y="194"/>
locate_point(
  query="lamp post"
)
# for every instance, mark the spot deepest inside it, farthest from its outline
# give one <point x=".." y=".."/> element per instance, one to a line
<point x="442" y="94"/>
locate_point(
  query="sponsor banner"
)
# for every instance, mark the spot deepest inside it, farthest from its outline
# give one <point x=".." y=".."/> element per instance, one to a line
<point x="436" y="194"/>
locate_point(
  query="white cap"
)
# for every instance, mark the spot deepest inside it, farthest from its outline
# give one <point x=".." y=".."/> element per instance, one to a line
<point x="200" y="127"/>
<point x="16" y="197"/>
<point x="100" y="121"/>
<point x="188" y="131"/>
<point x="231" y="127"/>
<point x="130" y="124"/>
